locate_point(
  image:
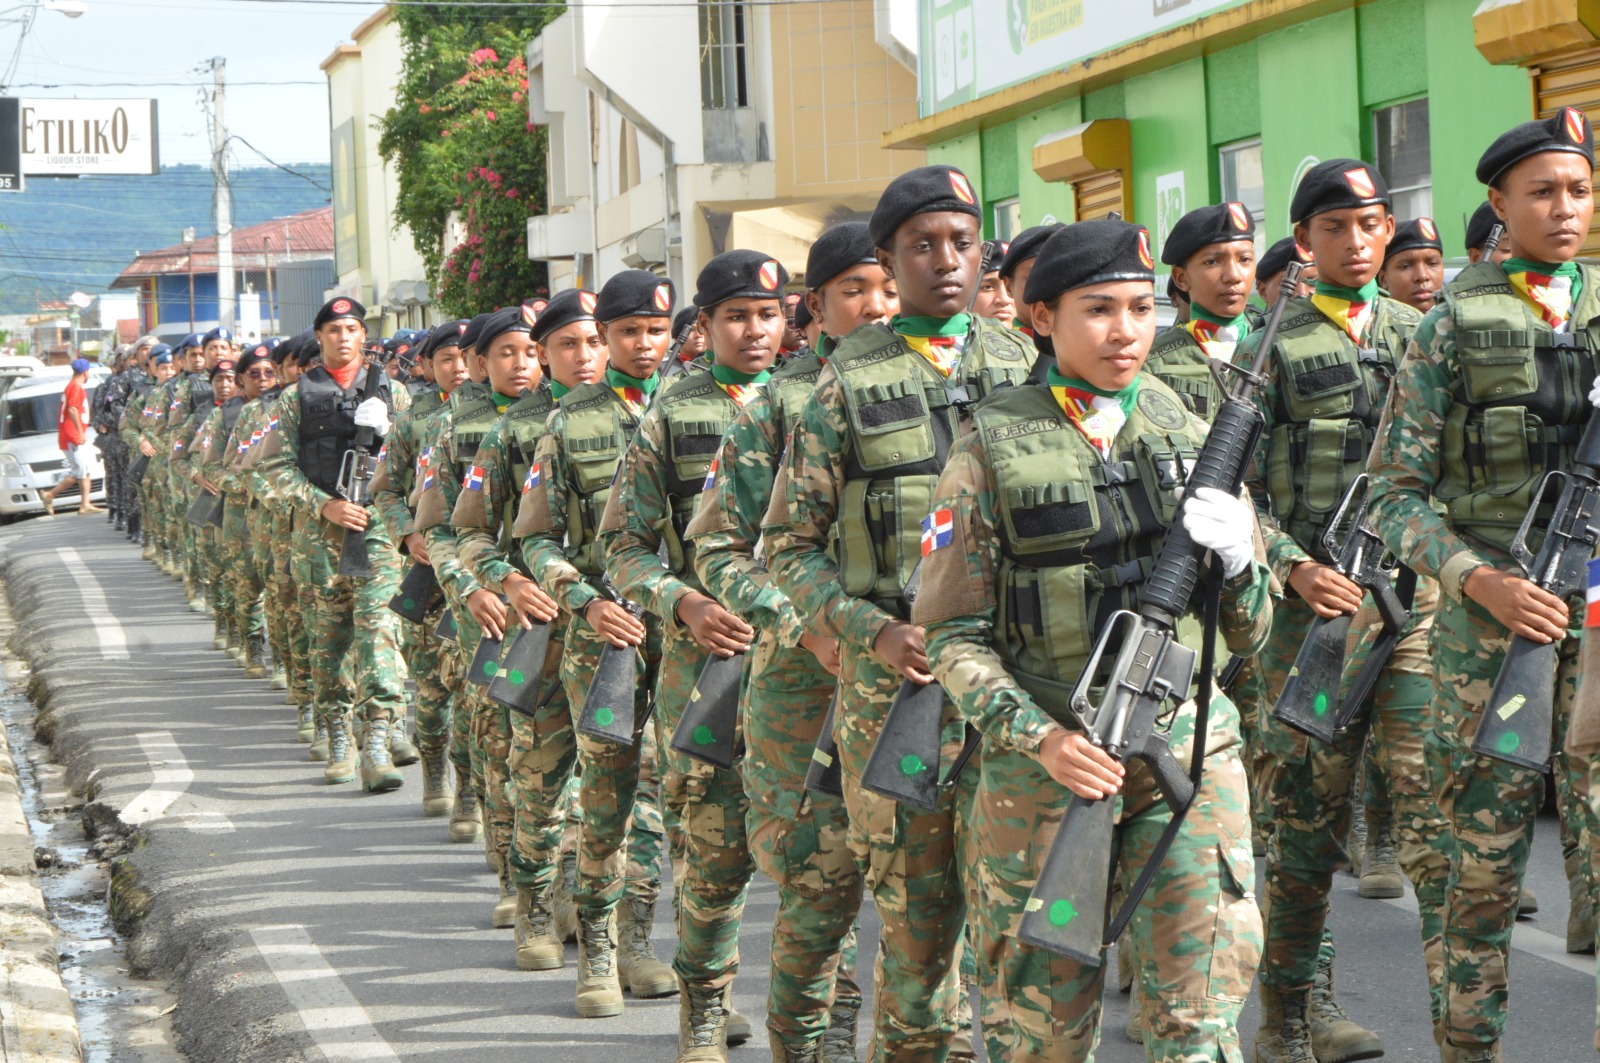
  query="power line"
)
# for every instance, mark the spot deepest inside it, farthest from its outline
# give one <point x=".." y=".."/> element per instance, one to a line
<point x="325" y="188"/>
<point x="150" y="84"/>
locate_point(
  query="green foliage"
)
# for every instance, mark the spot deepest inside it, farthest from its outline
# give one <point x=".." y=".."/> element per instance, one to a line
<point x="460" y="141"/>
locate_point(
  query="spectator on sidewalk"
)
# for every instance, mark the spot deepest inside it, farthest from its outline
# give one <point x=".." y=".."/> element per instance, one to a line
<point x="70" y="435"/>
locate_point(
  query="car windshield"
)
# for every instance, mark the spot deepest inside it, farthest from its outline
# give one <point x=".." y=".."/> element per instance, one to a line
<point x="32" y="415"/>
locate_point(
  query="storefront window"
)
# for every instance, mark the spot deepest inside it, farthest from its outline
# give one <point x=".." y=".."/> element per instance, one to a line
<point x="1400" y="141"/>
<point x="1242" y="182"/>
<point x="1007" y="219"/>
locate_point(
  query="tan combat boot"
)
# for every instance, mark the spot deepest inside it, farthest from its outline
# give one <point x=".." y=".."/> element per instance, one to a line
<point x="1355" y="843"/>
<point x="341" y="752"/>
<point x="401" y="749"/>
<point x="1580" y="916"/>
<point x="436" y="793"/>
<point x="505" y="909"/>
<point x="811" y="1053"/>
<point x="465" y="823"/>
<point x="1284" y="1035"/>
<point x="839" y="1039"/>
<point x="1489" y="1053"/>
<point x="280" y="678"/>
<point x="642" y="973"/>
<point x="255" y="667"/>
<point x="1334" y="1038"/>
<point x="319" y="737"/>
<point x="1380" y="869"/>
<point x="702" y="1023"/>
<point x="305" y="723"/>
<point x="534" y="930"/>
<point x="562" y="904"/>
<point x="378" y="773"/>
<point x="599" y="991"/>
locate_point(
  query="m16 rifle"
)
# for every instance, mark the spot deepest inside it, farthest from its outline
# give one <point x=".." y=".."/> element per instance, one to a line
<point x="356" y="469"/>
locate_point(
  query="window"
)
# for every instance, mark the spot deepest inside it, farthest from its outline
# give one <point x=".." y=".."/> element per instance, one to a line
<point x="724" y="39"/>
<point x="1400" y="142"/>
<point x="1242" y="182"/>
<point x="1007" y="219"/>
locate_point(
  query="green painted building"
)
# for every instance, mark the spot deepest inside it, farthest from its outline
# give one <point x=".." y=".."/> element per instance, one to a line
<point x="1058" y="111"/>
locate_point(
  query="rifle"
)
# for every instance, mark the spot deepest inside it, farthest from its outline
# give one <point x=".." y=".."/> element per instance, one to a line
<point x="206" y="510"/>
<point x="1228" y="678"/>
<point x="445" y="630"/>
<point x="1313" y="686"/>
<point x="608" y="707"/>
<point x="517" y="680"/>
<point x="1066" y="913"/>
<point x="417" y="594"/>
<point x="670" y="366"/>
<point x="137" y="467"/>
<point x="1521" y="712"/>
<point x="708" y="728"/>
<point x="486" y="659"/>
<point x="823" y="773"/>
<point x="355" y="474"/>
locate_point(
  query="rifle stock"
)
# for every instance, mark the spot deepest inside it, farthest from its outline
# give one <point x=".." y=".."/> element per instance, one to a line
<point x="486" y="661"/>
<point x="708" y="729"/>
<point x="418" y="593"/>
<point x="137" y="467"/>
<point x="904" y="764"/>
<point x="608" y="713"/>
<point x="823" y="774"/>
<point x="446" y="629"/>
<point x="516" y="683"/>
<point x="206" y="510"/>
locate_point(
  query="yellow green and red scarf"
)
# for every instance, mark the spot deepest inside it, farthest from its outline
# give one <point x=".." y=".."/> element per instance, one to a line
<point x="940" y="341"/>
<point x="1349" y="308"/>
<point x="1550" y="289"/>
<point x="1218" y="337"/>
<point x="1098" y="414"/>
<point x="740" y="387"/>
<point x="631" y="390"/>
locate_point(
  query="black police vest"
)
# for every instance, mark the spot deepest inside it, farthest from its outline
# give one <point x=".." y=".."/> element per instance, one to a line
<point x="230" y="414"/>
<point x="327" y="424"/>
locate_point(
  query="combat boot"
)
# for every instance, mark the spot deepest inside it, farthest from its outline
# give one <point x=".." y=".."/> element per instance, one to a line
<point x="280" y="677"/>
<point x="1528" y="903"/>
<point x="254" y="650"/>
<point x="1355" y="843"/>
<point x="1334" y="1038"/>
<point x="305" y="726"/>
<point x="1580" y="914"/>
<point x="401" y="749"/>
<point x="702" y="1023"/>
<point x="436" y="794"/>
<point x="378" y="773"/>
<point x="319" y="737"/>
<point x="1284" y="1035"/>
<point x="599" y="992"/>
<point x="149" y="553"/>
<point x="534" y="930"/>
<point x="644" y="975"/>
<point x="811" y="1053"/>
<point x="839" y="1039"/>
<point x="1380" y="870"/>
<point x="565" y="908"/>
<point x="1133" y="1029"/>
<point x="464" y="820"/>
<point x="219" y="634"/>
<point x="196" y="594"/>
<point x="1126" y="968"/>
<point x="505" y="909"/>
<point x="341" y="752"/>
<point x="1489" y="1053"/>
<point x="739" y="1027"/>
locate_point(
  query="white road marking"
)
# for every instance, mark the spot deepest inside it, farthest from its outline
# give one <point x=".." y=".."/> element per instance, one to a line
<point x="113" y="642"/>
<point x="332" y="1015"/>
<point x="1525" y="938"/>
<point x="170" y="779"/>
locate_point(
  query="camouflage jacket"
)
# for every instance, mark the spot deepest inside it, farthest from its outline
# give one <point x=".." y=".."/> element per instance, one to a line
<point x="483" y="517"/>
<point x="401" y="465"/>
<point x="437" y="495"/>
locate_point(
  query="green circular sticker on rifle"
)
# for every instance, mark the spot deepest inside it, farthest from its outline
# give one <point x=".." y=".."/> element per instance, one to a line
<point x="409" y="603"/>
<point x="1062" y="912"/>
<point x="703" y="735"/>
<point x="490" y="668"/>
<point x="1320" y="705"/>
<point x="910" y="764"/>
<point x="604" y="717"/>
<point x="1508" y="742"/>
<point x="515" y="677"/>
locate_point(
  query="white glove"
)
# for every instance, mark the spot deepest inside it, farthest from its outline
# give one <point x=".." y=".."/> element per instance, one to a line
<point x="1222" y="524"/>
<point x="1594" y="393"/>
<point x="374" y="414"/>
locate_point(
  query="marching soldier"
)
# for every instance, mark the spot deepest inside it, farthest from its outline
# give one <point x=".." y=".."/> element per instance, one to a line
<point x="1212" y="253"/>
<point x="1413" y="264"/>
<point x="1014" y="270"/>
<point x="201" y="459"/>
<point x="138" y="421"/>
<point x="1275" y="262"/>
<point x="124" y="402"/>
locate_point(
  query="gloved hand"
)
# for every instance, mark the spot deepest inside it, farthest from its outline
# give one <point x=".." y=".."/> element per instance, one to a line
<point x="1222" y="524"/>
<point x="1594" y="393"/>
<point x="374" y="414"/>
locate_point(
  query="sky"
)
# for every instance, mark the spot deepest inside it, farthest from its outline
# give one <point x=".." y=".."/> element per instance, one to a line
<point x="277" y="97"/>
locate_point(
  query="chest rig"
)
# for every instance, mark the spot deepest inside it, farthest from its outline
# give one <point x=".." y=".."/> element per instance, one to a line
<point x="522" y="428"/>
<point x="695" y="414"/>
<point x="596" y="428"/>
<point x="327" y="424"/>
<point x="1181" y="364"/>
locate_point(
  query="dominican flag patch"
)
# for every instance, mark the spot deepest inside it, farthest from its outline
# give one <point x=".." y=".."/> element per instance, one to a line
<point x="711" y="476"/>
<point x="937" y="529"/>
<point x="473" y="481"/>
<point x="427" y="481"/>
<point x="383" y="452"/>
<point x="1591" y="616"/>
<point x="272" y="424"/>
<point x="534" y="479"/>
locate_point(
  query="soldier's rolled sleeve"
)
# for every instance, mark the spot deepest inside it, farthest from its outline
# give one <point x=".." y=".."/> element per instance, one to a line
<point x="805" y="505"/>
<point x="1405" y="460"/>
<point x="540" y="528"/>
<point x="629" y="530"/>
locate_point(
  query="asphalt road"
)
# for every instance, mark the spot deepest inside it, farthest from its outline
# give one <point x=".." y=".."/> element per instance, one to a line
<point x="301" y="921"/>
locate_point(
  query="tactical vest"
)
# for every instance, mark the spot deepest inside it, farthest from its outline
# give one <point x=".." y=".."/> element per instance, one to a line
<point x="425" y="404"/>
<point x="327" y="424"/>
<point x="201" y="397"/>
<point x="472" y="414"/>
<point x="790" y="387"/>
<point x="230" y="414"/>
<point x="522" y="430"/>
<point x="695" y="414"/>
<point x="1078" y="533"/>
<point x="903" y="417"/>
<point x="597" y="426"/>
<point x="1183" y="366"/>
<point x="1330" y="395"/>
<point x="1521" y="401"/>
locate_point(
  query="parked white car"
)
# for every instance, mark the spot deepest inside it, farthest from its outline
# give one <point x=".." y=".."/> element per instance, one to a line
<point x="30" y="461"/>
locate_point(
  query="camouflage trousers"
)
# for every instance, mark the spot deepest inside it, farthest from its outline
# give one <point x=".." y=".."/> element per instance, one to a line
<point x="354" y="656"/>
<point x="114" y="455"/>
<point x="712" y="874"/>
<point x="211" y="567"/>
<point x="1490" y="806"/>
<point x="619" y="791"/>
<point x="1196" y="934"/>
<point x="1312" y="798"/>
<point x="907" y="858"/>
<point x="422" y="651"/>
<point x="799" y="840"/>
<point x="452" y="676"/>
<point x="1250" y="693"/>
<point x="489" y="735"/>
<point x="241" y="573"/>
<point x="544" y="753"/>
<point x="295" y="603"/>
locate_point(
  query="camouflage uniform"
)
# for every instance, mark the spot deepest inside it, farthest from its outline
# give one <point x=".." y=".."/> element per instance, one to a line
<point x="158" y="501"/>
<point x="1448" y="401"/>
<point x="272" y="527"/>
<point x="130" y="411"/>
<point x="234" y="559"/>
<point x="1196" y="934"/>
<point x="210" y="562"/>
<point x="1583" y="741"/>
<point x="189" y="394"/>
<point x="104" y="414"/>
<point x="837" y="545"/>
<point x="798" y="839"/>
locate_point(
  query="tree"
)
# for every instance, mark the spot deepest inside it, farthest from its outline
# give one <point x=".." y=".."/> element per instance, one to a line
<point x="461" y="144"/>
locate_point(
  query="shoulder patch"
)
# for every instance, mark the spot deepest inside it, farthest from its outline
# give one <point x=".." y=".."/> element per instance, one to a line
<point x="1162" y="410"/>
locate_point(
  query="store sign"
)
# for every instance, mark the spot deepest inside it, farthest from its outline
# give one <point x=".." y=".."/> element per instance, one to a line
<point x="973" y="47"/>
<point x="70" y="138"/>
<point x="346" y="232"/>
<point x="10" y="144"/>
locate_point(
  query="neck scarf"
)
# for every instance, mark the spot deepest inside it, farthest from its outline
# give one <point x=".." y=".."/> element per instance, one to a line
<point x="1098" y="414"/>
<point x="740" y="387"/>
<point x="558" y="389"/>
<point x="1550" y="289"/>
<point x="825" y="346"/>
<point x="346" y="376"/>
<point x="502" y="402"/>
<point x="1218" y="337"/>
<point x="631" y="390"/>
<point x="940" y="341"/>
<point x="1349" y="308"/>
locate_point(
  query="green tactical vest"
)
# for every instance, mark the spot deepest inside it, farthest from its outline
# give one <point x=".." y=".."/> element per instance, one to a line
<point x="425" y="404"/>
<point x="524" y="425"/>
<point x="1520" y="404"/>
<point x="472" y="414"/>
<point x="695" y="414"/>
<point x="903" y="418"/>
<point x="790" y="387"/>
<point x="1330" y="395"/>
<point x="597" y="428"/>
<point x="1182" y="365"/>
<point x="1078" y="533"/>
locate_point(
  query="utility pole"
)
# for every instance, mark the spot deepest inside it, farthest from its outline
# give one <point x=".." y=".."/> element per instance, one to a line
<point x="222" y="199"/>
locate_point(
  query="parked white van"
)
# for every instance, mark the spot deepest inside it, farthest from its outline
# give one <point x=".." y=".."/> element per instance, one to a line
<point x="30" y="461"/>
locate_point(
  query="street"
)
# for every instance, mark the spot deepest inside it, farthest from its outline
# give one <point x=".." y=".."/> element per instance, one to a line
<point x="300" y="921"/>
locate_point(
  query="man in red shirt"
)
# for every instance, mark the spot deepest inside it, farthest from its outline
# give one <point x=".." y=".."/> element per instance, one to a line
<point x="70" y="435"/>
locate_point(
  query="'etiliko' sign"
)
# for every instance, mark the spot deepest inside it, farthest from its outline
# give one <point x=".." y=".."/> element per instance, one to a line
<point x="69" y="138"/>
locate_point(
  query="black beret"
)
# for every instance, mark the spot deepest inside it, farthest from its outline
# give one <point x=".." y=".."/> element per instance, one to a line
<point x="1338" y="184"/>
<point x="925" y="190"/>
<point x="1026" y="246"/>
<point x="1483" y="220"/>
<point x="802" y="316"/>
<point x="1408" y="236"/>
<point x="564" y="307"/>
<point x="687" y="316"/>
<point x="193" y="339"/>
<point x="337" y="308"/>
<point x="442" y="336"/>
<point x="1090" y="252"/>
<point x="224" y="365"/>
<point x="469" y="335"/>
<point x="634" y="293"/>
<point x="1220" y="224"/>
<point x="258" y="355"/>
<point x="845" y="245"/>
<point x="739" y="275"/>
<point x="1566" y="130"/>
<point x="504" y="320"/>
<point x="1278" y="257"/>
<point x="296" y="347"/>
